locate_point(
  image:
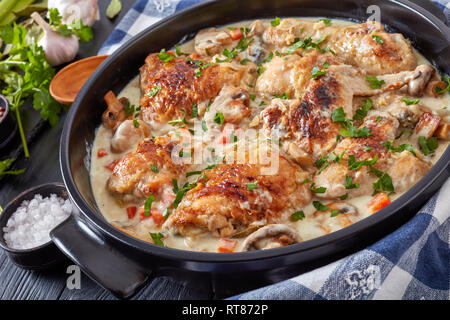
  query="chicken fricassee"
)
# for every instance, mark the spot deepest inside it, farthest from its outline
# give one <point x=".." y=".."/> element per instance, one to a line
<point x="268" y="133"/>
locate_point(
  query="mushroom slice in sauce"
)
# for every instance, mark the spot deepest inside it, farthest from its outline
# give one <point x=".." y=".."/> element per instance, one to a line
<point x="271" y="236"/>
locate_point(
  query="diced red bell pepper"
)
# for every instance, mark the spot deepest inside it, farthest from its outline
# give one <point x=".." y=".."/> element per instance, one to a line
<point x="378" y="202"/>
<point x="227" y="245"/>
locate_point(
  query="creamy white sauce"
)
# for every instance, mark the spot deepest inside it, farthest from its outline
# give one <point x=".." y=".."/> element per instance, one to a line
<point x="308" y="228"/>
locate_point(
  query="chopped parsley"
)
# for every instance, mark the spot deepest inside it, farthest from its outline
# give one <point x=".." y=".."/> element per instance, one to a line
<point x="384" y="182"/>
<point x="283" y="96"/>
<point x="374" y="82"/>
<point x="390" y="145"/>
<point x="326" y="21"/>
<point x="165" y="56"/>
<point x="318" y="189"/>
<point x="194" y="110"/>
<point x="319" y="206"/>
<point x="349" y="183"/>
<point x="156" y="237"/>
<point x="305" y="44"/>
<point x="148" y="205"/>
<point x="378" y="39"/>
<point x="129" y="109"/>
<point x="299" y="215"/>
<point x="334" y="213"/>
<point x="445" y="79"/>
<point x="219" y="118"/>
<point x="410" y="101"/>
<point x="316" y="72"/>
<point x="428" y="146"/>
<point x="192" y="173"/>
<point x="136" y="123"/>
<point x="179" y="52"/>
<point x="180" y="122"/>
<point x="154" y="91"/>
<point x="275" y="22"/>
<point x="349" y="130"/>
<point x="344" y="197"/>
<point x="154" y="168"/>
<point x="204" y="126"/>
<point x="355" y="165"/>
<point x="252" y="186"/>
<point x="361" y="113"/>
<point x="268" y="59"/>
<point x="244" y="61"/>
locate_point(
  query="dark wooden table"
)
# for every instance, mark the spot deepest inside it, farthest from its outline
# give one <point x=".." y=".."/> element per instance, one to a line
<point x="43" y="167"/>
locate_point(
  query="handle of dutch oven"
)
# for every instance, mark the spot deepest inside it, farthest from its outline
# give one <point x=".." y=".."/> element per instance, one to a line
<point x="98" y="259"/>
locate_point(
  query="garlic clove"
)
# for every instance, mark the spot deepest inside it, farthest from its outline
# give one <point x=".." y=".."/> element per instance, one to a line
<point x="73" y="10"/>
<point x="58" y="49"/>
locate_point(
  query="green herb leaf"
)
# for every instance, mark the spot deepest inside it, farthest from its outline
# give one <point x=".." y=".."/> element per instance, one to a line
<point x="252" y="186"/>
<point x="136" y="123"/>
<point x="154" y="168"/>
<point x="148" y="205"/>
<point x="428" y="146"/>
<point x="275" y="22"/>
<point x="445" y="79"/>
<point x="179" y="52"/>
<point x="154" y="91"/>
<point x="390" y="145"/>
<point x="361" y="113"/>
<point x="299" y="215"/>
<point x="219" y="118"/>
<point x="316" y="72"/>
<point x="326" y="21"/>
<point x="410" y="101"/>
<point x="349" y="183"/>
<point x="317" y="190"/>
<point x="156" y="237"/>
<point x="378" y="39"/>
<point x="319" y="206"/>
<point x="355" y="165"/>
<point x="334" y="213"/>
<point x="283" y="96"/>
<point x="374" y="82"/>
<point x="204" y="126"/>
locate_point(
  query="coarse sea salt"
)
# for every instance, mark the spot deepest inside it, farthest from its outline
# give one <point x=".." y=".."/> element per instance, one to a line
<point x="30" y="225"/>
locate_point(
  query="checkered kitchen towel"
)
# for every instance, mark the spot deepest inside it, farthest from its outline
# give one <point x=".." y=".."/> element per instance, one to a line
<point x="411" y="263"/>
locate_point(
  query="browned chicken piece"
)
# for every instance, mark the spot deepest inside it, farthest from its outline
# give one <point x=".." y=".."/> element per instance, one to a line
<point x="307" y="122"/>
<point x="168" y="88"/>
<point x="133" y="177"/>
<point x="232" y="102"/>
<point x="339" y="215"/>
<point x="291" y="29"/>
<point x="383" y="127"/>
<point x="128" y="134"/>
<point x="369" y="47"/>
<point x="391" y="102"/>
<point x="405" y="170"/>
<point x="235" y="196"/>
<point x="211" y="41"/>
<point x="291" y="74"/>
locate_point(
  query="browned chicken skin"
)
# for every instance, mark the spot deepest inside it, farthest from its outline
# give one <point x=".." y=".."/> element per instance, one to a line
<point x="170" y="87"/>
<point x="224" y="204"/>
<point x="133" y="177"/>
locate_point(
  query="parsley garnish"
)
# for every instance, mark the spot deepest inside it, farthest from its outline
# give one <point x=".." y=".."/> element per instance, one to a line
<point x="349" y="183"/>
<point x="299" y="215"/>
<point x="326" y="21"/>
<point x="136" y="123"/>
<point x="428" y="146"/>
<point x="129" y="109"/>
<point x="410" y="101"/>
<point x="338" y="115"/>
<point x="378" y="39"/>
<point x="390" y="145"/>
<point x="384" y="183"/>
<point x="316" y="72"/>
<point x="154" y="168"/>
<point x="275" y="22"/>
<point x="179" y="52"/>
<point x="307" y="43"/>
<point x="252" y="186"/>
<point x="194" y="110"/>
<point x="355" y="165"/>
<point x="318" y="189"/>
<point x="445" y="79"/>
<point x="180" y="122"/>
<point x="204" y="126"/>
<point x="219" y="118"/>
<point x="319" y="206"/>
<point x="334" y="213"/>
<point x="361" y="113"/>
<point x="374" y="82"/>
<point x="156" y="237"/>
<point x="154" y="91"/>
<point x="283" y="96"/>
<point x="148" y="205"/>
<point x="165" y="56"/>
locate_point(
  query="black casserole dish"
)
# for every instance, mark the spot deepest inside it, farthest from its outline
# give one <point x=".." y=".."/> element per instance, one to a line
<point x="121" y="263"/>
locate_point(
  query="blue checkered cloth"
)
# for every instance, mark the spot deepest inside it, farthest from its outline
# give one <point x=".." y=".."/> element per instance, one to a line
<point x="411" y="263"/>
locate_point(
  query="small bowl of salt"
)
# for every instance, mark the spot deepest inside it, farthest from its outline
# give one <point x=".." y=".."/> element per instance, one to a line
<point x="26" y="222"/>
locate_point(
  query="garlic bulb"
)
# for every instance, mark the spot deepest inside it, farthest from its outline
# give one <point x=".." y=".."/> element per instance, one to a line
<point x="58" y="49"/>
<point x="73" y="10"/>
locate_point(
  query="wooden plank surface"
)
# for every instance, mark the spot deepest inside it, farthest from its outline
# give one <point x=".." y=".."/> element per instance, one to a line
<point x="42" y="167"/>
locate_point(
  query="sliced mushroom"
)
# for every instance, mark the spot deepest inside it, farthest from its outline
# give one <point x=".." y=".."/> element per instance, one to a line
<point x="418" y="84"/>
<point x="269" y="237"/>
<point x="114" y="114"/>
<point x="211" y="41"/>
<point x="332" y="220"/>
<point x="128" y="134"/>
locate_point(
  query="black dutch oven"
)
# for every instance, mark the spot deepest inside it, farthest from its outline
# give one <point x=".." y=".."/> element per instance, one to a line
<point x="123" y="264"/>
